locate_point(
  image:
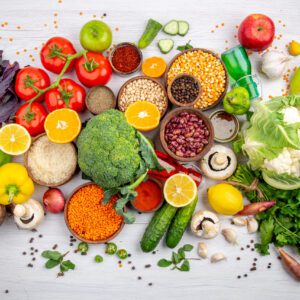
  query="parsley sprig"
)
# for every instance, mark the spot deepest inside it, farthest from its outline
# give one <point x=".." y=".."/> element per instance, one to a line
<point x="179" y="261"/>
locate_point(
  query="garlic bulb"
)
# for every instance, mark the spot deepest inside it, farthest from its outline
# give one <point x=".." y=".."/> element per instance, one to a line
<point x="230" y="236"/>
<point x="274" y="63"/>
<point x="202" y="250"/>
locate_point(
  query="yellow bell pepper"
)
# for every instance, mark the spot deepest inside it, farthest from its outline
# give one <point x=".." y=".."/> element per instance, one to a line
<point x="15" y="184"/>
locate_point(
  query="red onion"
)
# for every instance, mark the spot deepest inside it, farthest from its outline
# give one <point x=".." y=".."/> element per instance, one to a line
<point x="54" y="200"/>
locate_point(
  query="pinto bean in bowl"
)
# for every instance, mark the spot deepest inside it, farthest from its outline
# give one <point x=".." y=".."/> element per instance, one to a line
<point x="186" y="134"/>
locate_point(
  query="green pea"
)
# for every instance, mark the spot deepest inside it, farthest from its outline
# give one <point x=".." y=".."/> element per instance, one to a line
<point x="98" y="259"/>
<point x="83" y="247"/>
<point x="111" y="248"/>
<point x="122" y="253"/>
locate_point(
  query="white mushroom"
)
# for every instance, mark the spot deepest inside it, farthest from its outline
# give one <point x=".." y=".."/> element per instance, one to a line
<point x="205" y="224"/>
<point x="202" y="250"/>
<point x="219" y="163"/>
<point x="29" y="214"/>
<point x="217" y="257"/>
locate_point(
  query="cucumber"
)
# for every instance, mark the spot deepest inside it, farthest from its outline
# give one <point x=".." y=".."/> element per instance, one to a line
<point x="171" y="27"/>
<point x="179" y="224"/>
<point x="183" y="28"/>
<point x="165" y="45"/>
<point x="152" y="29"/>
<point x="157" y="227"/>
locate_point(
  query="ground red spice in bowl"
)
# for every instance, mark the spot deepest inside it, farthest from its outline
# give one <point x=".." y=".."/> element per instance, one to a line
<point x="126" y="58"/>
<point x="89" y="218"/>
<point x="149" y="196"/>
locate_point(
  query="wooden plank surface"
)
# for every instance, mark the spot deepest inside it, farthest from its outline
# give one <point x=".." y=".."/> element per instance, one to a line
<point x="37" y="21"/>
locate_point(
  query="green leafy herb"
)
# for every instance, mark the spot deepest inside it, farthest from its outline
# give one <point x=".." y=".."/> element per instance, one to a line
<point x="55" y="258"/>
<point x="281" y="223"/>
<point x="179" y="260"/>
<point x="187" y="46"/>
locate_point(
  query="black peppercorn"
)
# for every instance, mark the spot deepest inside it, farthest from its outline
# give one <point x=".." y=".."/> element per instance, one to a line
<point x="185" y="89"/>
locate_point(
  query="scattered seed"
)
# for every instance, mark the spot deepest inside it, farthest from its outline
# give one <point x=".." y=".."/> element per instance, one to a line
<point x="24" y="253"/>
<point x="238" y="258"/>
<point x="253" y="269"/>
<point x="60" y="274"/>
<point x="147" y="266"/>
<point x="33" y="259"/>
<point x="242" y="249"/>
<point x="150" y="283"/>
<point x="40" y="235"/>
<point x="31" y="248"/>
<point x="239" y="277"/>
<point x="54" y="247"/>
<point x="36" y="250"/>
<point x="71" y="244"/>
<point x="153" y="252"/>
<point x="245" y="275"/>
<point x="248" y="246"/>
<point x="255" y="259"/>
<point x="133" y="268"/>
<point x="30" y="265"/>
<point x="6" y="291"/>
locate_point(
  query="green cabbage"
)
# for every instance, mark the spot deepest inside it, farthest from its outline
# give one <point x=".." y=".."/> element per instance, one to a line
<point x="265" y="137"/>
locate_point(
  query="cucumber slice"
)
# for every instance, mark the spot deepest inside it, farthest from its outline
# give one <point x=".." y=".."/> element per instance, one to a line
<point x="165" y="45"/>
<point x="171" y="27"/>
<point x="183" y="28"/>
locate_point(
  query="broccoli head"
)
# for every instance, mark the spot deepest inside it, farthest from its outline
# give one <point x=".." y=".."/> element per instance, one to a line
<point x="109" y="150"/>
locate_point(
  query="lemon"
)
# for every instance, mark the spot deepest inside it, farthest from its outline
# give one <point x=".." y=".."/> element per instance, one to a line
<point x="14" y="139"/>
<point x="225" y="199"/>
<point x="180" y="190"/>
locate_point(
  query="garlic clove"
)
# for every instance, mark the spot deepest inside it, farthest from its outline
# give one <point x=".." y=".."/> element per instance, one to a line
<point x="239" y="221"/>
<point x="230" y="236"/>
<point x="202" y="250"/>
<point x="217" y="257"/>
<point x="252" y="225"/>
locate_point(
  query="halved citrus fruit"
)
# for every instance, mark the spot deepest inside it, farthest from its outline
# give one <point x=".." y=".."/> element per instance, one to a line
<point x="180" y="190"/>
<point x="14" y="139"/>
<point x="62" y="125"/>
<point x="143" y="115"/>
<point x="154" y="66"/>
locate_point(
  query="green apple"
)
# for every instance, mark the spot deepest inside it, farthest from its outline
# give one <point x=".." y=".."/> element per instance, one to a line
<point x="237" y="101"/>
<point x="95" y="36"/>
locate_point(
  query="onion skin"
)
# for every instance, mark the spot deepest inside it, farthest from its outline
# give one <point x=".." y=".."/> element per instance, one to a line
<point x="292" y="265"/>
<point x="255" y="208"/>
<point x="54" y="200"/>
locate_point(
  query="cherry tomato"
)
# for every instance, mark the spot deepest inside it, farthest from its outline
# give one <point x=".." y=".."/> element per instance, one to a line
<point x="28" y="80"/>
<point x="70" y="94"/>
<point x="97" y="70"/>
<point x="32" y="120"/>
<point x="54" y="54"/>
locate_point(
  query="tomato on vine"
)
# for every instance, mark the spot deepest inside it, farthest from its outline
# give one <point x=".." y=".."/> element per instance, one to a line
<point x="54" y="54"/>
<point x="68" y="94"/>
<point x="93" y="69"/>
<point x="29" y="81"/>
<point x="32" y="118"/>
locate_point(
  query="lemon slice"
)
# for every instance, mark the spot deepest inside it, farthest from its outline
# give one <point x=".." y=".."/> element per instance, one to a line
<point x="180" y="190"/>
<point x="14" y="139"/>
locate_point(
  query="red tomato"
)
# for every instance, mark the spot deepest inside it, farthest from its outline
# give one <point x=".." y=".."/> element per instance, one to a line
<point x="55" y="52"/>
<point x="71" y="95"/>
<point x="97" y="70"/>
<point x="33" y="120"/>
<point x="28" y="79"/>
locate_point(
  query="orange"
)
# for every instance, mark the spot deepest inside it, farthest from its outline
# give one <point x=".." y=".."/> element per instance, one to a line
<point x="14" y="139"/>
<point x="143" y="115"/>
<point x="154" y="66"/>
<point x="62" y="125"/>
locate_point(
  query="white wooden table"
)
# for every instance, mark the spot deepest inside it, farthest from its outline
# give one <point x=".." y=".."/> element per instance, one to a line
<point x="37" y="21"/>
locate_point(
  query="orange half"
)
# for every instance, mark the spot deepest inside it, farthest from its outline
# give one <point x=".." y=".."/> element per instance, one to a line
<point x="62" y="125"/>
<point x="143" y="115"/>
<point x="154" y="66"/>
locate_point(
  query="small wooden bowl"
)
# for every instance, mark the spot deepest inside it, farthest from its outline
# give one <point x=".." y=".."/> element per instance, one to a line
<point x="111" y="54"/>
<point x="212" y="53"/>
<point x="143" y="77"/>
<point x="171" y="97"/>
<point x="38" y="181"/>
<point x="160" y="184"/>
<point x="174" y="113"/>
<point x="92" y="90"/>
<point x="74" y="233"/>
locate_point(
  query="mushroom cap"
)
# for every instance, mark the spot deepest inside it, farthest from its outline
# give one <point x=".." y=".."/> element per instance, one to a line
<point x="219" y="163"/>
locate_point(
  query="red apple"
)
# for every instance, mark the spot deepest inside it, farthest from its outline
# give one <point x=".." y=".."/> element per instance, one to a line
<point x="256" y="32"/>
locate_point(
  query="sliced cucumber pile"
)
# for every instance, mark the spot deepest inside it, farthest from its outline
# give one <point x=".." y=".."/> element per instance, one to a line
<point x="165" y="45"/>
